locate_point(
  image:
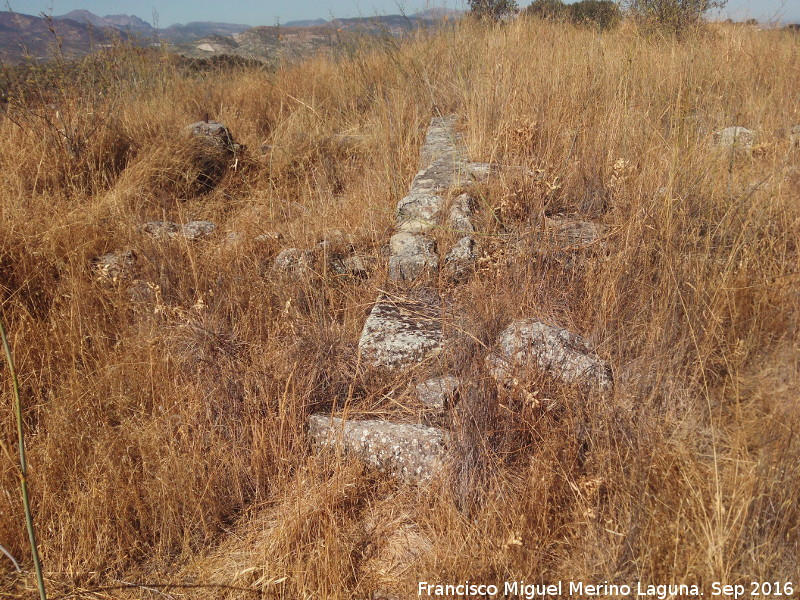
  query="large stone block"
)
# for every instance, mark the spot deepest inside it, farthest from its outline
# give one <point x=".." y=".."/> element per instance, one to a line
<point x="528" y="343"/>
<point x="413" y="453"/>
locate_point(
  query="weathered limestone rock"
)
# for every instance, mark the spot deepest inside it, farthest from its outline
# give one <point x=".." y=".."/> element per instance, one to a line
<point x="354" y="265"/>
<point x="413" y="453"/>
<point x="412" y="254"/>
<point x="437" y="393"/>
<point x="214" y="135"/>
<point x="418" y="212"/>
<point x="161" y="229"/>
<point x="460" y="261"/>
<point x="193" y="230"/>
<point x="442" y="142"/>
<point x="270" y="236"/>
<point x="439" y="176"/>
<point x="293" y="260"/>
<point x="459" y="219"/>
<point x="401" y="332"/>
<point x="115" y="266"/>
<point x="734" y="138"/>
<point x="562" y="354"/>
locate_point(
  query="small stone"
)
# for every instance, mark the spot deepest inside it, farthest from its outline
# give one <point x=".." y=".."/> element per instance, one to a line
<point x="194" y="230"/>
<point x="161" y="229"/>
<point x="460" y="261"/>
<point x="214" y="134"/>
<point x="412" y="255"/>
<point x="461" y="211"/>
<point x="354" y="265"/>
<point x="418" y="213"/>
<point x="234" y="237"/>
<point x="560" y="353"/>
<point x="293" y="260"/>
<point x="413" y="453"/>
<point x="572" y="233"/>
<point x="400" y="333"/>
<point x="115" y="266"/>
<point x="437" y="393"/>
<point x="268" y="237"/>
<point x="734" y="138"/>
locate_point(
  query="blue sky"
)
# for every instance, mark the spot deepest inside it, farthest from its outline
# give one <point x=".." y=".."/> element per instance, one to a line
<point x="266" y="12"/>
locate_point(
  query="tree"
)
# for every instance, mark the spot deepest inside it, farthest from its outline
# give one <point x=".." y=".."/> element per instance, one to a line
<point x="492" y="9"/>
<point x="547" y="9"/>
<point x="597" y="13"/>
<point x="675" y="15"/>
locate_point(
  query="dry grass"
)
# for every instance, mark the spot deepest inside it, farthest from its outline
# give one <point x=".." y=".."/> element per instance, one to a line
<point x="167" y="436"/>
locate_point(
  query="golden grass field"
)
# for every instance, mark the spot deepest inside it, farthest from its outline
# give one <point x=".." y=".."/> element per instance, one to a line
<point x="166" y="438"/>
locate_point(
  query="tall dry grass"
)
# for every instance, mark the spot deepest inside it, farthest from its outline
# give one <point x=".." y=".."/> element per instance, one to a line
<point x="166" y="436"/>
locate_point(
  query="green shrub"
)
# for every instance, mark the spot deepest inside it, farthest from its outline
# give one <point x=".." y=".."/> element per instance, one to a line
<point x="492" y="9"/>
<point x="547" y="9"/>
<point x="672" y="15"/>
<point x="597" y="13"/>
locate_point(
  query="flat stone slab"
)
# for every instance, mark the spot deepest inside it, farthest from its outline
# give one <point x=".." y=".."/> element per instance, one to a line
<point x="558" y="352"/>
<point x="418" y="212"/>
<point x="442" y="142"/>
<point x="412" y="255"/>
<point x="115" y="266"/>
<point x="398" y="333"/>
<point x="437" y="393"/>
<point x="413" y="453"/>
<point x="738" y="138"/>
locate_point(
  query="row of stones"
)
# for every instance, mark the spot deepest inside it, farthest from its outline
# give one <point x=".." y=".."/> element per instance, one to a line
<point x="406" y="327"/>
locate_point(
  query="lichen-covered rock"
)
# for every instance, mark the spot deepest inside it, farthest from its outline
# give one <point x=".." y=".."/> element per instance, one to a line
<point x="437" y="393"/>
<point x="293" y="260"/>
<point x="115" y="266"/>
<point x="413" y="453"/>
<point x="213" y="134"/>
<point x="161" y="229"/>
<point x="270" y="237"/>
<point x="459" y="219"/>
<point x="460" y="260"/>
<point x="354" y="265"/>
<point x="400" y="333"/>
<point x="195" y="230"/>
<point x="442" y="142"/>
<point x="528" y="343"/>
<point x="734" y="138"/>
<point x="412" y="255"/>
<point x="418" y="212"/>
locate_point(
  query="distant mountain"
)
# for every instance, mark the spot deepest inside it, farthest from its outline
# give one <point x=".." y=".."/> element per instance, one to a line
<point x="180" y="33"/>
<point x="26" y="36"/>
<point x="81" y="31"/>
<point x="122" y="22"/>
<point x="306" y="23"/>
